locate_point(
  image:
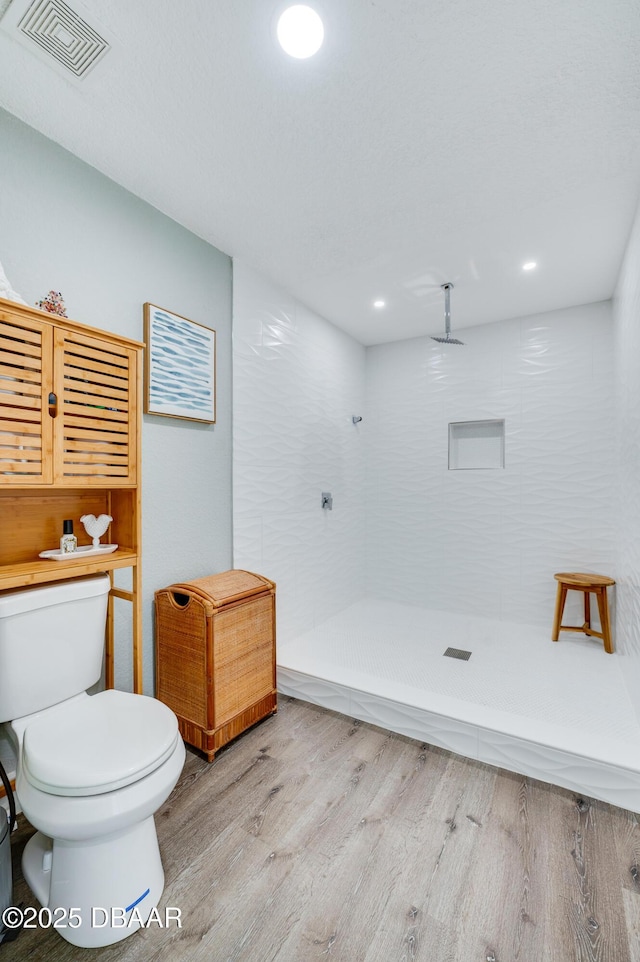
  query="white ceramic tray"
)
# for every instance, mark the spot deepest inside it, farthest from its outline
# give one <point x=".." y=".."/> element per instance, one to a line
<point x="56" y="555"/>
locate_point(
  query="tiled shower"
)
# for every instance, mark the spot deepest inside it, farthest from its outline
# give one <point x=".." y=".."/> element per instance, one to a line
<point x="429" y="546"/>
<point x="403" y="526"/>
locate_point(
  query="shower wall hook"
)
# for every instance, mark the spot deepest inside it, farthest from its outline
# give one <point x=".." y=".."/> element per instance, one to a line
<point x="356" y="419"/>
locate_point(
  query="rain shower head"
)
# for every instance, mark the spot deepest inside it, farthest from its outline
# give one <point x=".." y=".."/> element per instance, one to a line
<point x="447" y="339"/>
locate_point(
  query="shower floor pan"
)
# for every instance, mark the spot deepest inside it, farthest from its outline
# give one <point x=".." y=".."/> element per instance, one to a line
<point x="557" y="712"/>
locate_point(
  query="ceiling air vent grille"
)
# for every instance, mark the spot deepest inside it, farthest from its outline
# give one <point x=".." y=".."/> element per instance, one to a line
<point x="65" y="36"/>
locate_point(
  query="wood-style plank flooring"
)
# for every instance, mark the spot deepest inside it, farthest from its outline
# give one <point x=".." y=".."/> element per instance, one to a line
<point x="314" y="837"/>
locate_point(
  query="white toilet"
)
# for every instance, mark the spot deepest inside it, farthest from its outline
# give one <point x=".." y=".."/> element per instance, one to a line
<point x="92" y="769"/>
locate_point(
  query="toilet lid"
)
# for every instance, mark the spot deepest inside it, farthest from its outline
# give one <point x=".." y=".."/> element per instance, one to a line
<point x="98" y="744"/>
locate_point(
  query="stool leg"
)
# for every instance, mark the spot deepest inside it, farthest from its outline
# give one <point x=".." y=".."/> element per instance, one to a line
<point x="587" y="609"/>
<point x="561" y="597"/>
<point x="603" y="608"/>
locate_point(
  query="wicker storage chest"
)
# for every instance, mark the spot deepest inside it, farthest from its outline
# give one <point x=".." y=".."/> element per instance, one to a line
<point x="216" y="655"/>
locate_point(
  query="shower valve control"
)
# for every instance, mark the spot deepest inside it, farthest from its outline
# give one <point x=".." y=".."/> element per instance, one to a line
<point x="327" y="501"/>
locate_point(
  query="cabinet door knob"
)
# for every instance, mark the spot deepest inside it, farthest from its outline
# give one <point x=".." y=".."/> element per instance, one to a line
<point x="53" y="404"/>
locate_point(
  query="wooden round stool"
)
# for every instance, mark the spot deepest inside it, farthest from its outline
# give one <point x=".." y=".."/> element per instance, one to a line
<point x="574" y="581"/>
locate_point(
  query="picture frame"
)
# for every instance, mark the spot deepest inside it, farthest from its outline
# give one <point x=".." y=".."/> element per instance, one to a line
<point x="180" y="366"/>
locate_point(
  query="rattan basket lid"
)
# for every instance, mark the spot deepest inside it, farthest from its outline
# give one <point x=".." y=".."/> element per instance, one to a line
<point x="226" y="587"/>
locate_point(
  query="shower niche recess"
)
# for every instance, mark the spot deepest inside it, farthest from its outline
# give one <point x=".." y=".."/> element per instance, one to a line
<point x="476" y="445"/>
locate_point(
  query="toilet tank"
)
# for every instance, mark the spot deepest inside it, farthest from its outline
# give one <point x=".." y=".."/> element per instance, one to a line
<point x="51" y="643"/>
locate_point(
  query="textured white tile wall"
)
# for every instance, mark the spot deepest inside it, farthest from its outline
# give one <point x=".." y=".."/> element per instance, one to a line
<point x="489" y="541"/>
<point x="297" y="383"/>
<point x="626" y="314"/>
<point x="479" y="542"/>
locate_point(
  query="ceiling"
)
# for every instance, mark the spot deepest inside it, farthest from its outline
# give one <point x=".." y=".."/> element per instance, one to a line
<point x="428" y="141"/>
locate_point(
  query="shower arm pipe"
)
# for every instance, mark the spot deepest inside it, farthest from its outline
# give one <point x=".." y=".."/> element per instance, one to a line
<point x="447" y="308"/>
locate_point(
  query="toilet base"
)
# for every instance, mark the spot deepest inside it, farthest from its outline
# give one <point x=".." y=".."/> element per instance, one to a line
<point x="112" y="883"/>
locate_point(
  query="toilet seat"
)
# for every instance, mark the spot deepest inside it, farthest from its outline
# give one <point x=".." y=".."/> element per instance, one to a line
<point x="98" y="743"/>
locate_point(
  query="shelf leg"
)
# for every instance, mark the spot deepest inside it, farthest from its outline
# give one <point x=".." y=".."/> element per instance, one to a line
<point x="137" y="629"/>
<point x="108" y="649"/>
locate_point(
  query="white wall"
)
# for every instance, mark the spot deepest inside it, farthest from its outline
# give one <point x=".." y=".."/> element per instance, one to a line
<point x="626" y="314"/>
<point x="297" y="383"/>
<point x="489" y="541"/>
<point x="65" y="226"/>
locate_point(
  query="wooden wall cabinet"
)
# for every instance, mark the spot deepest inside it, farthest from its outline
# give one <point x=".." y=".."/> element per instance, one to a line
<point x="69" y="445"/>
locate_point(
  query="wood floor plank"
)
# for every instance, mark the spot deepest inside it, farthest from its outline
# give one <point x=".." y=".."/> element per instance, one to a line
<point x="632" y="917"/>
<point x="628" y="848"/>
<point x="313" y="837"/>
<point x="424" y="897"/>
<point x="597" y="906"/>
<point x="503" y="913"/>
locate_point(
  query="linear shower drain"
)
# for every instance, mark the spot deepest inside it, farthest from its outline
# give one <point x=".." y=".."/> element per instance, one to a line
<point x="458" y="653"/>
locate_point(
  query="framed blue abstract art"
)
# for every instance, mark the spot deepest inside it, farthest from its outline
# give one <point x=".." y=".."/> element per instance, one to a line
<point x="180" y="366"/>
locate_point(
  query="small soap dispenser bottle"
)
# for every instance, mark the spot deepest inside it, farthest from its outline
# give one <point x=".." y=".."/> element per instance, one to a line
<point x="68" y="541"/>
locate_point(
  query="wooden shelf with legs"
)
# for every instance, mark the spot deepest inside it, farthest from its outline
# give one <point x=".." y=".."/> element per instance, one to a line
<point x="69" y="445"/>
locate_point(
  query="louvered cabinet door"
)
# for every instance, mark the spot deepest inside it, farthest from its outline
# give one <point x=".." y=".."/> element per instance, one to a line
<point x="95" y="426"/>
<point x="25" y="383"/>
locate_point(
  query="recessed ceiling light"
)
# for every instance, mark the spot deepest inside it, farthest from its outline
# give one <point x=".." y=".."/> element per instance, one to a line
<point x="529" y="266"/>
<point x="300" y="31"/>
<point x="379" y="303"/>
